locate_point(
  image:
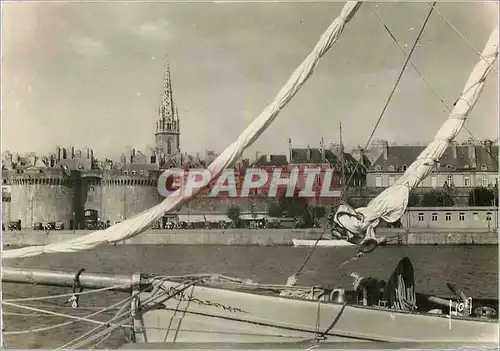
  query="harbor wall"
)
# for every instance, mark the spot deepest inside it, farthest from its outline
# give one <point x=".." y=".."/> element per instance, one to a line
<point x="249" y="237"/>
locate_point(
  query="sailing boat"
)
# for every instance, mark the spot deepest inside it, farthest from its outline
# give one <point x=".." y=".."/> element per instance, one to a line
<point x="225" y="310"/>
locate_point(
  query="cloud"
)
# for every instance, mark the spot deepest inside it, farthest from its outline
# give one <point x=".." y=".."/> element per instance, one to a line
<point x="88" y="47"/>
<point x="154" y="30"/>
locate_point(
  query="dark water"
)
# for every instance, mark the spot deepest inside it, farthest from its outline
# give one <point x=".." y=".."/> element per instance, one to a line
<point x="472" y="268"/>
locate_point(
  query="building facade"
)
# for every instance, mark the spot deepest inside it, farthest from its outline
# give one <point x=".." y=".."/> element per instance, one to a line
<point x="331" y="161"/>
<point x="450" y="218"/>
<point x="463" y="166"/>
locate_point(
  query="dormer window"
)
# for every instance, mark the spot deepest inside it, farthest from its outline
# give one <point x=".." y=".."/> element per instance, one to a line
<point x="134" y="172"/>
<point x="483" y="167"/>
<point x="391" y="168"/>
<point x="141" y="172"/>
<point x="378" y="168"/>
<point x="125" y="172"/>
<point x="405" y="167"/>
<point x="466" y="166"/>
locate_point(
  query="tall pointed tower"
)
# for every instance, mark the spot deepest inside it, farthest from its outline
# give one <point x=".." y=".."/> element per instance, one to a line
<point x="167" y="134"/>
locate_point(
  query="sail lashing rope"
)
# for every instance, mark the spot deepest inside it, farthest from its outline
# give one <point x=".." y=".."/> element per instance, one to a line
<point x="390" y="205"/>
<point x="141" y="222"/>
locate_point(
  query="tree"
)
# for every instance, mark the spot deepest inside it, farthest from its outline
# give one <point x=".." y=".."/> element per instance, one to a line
<point x="233" y="212"/>
<point x="274" y="209"/>
<point x="294" y="206"/>
<point x="317" y="211"/>
<point x="481" y="196"/>
<point x="413" y="200"/>
<point x="436" y="198"/>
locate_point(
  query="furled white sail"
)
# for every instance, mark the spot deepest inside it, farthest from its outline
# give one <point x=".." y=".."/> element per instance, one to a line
<point x="391" y="203"/>
<point x="144" y="220"/>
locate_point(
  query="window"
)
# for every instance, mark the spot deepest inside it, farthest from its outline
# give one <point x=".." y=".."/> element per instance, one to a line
<point x="449" y="179"/>
<point x="484" y="181"/>
<point x="488" y="216"/>
<point x="448" y="217"/>
<point x="420" y="217"/>
<point x="461" y="216"/>
<point x="134" y="171"/>
<point x="378" y="168"/>
<point x="467" y="181"/>
<point x="475" y="216"/>
<point x="434" y="217"/>
<point x="391" y="168"/>
<point x="141" y="172"/>
<point x="391" y="181"/>
<point x="125" y="172"/>
<point x="466" y="166"/>
<point x="483" y="167"/>
<point x="405" y="167"/>
<point x="169" y="147"/>
<point x="378" y="182"/>
<point x="434" y="182"/>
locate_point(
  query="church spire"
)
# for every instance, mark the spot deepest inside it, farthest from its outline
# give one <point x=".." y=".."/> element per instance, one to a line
<point x="167" y="126"/>
<point x="167" y="105"/>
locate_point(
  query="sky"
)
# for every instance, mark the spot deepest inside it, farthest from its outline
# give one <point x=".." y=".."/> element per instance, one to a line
<point x="90" y="74"/>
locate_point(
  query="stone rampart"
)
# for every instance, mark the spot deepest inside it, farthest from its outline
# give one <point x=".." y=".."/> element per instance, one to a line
<point x="41" y="196"/>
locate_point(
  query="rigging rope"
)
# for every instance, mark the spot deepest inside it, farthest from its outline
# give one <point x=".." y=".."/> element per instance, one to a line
<point x="379" y="119"/>
<point x="433" y="5"/>
<point x="426" y="81"/>
<point x="46" y="297"/>
<point x="42" y="329"/>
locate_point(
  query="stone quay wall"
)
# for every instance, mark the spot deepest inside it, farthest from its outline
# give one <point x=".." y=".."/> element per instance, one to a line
<point x="261" y="237"/>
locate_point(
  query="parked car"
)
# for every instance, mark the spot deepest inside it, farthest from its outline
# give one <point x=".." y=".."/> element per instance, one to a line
<point x="37" y="226"/>
<point x="15" y="225"/>
<point x="169" y="225"/>
<point x="59" y="226"/>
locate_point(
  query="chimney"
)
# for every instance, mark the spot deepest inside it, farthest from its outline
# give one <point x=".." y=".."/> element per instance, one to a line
<point x="453" y="146"/>
<point x="489" y="146"/>
<point x="72" y="152"/>
<point x="58" y="153"/>
<point x="308" y="153"/>
<point x="386" y="150"/>
<point x="472" y="153"/>
<point x="64" y="153"/>
<point x="361" y="159"/>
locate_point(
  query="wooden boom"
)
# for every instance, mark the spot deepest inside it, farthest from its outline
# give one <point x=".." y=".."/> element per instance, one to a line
<point x="121" y="282"/>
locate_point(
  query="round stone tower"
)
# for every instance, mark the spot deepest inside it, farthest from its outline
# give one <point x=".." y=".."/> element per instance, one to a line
<point x="39" y="195"/>
<point x="127" y="193"/>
